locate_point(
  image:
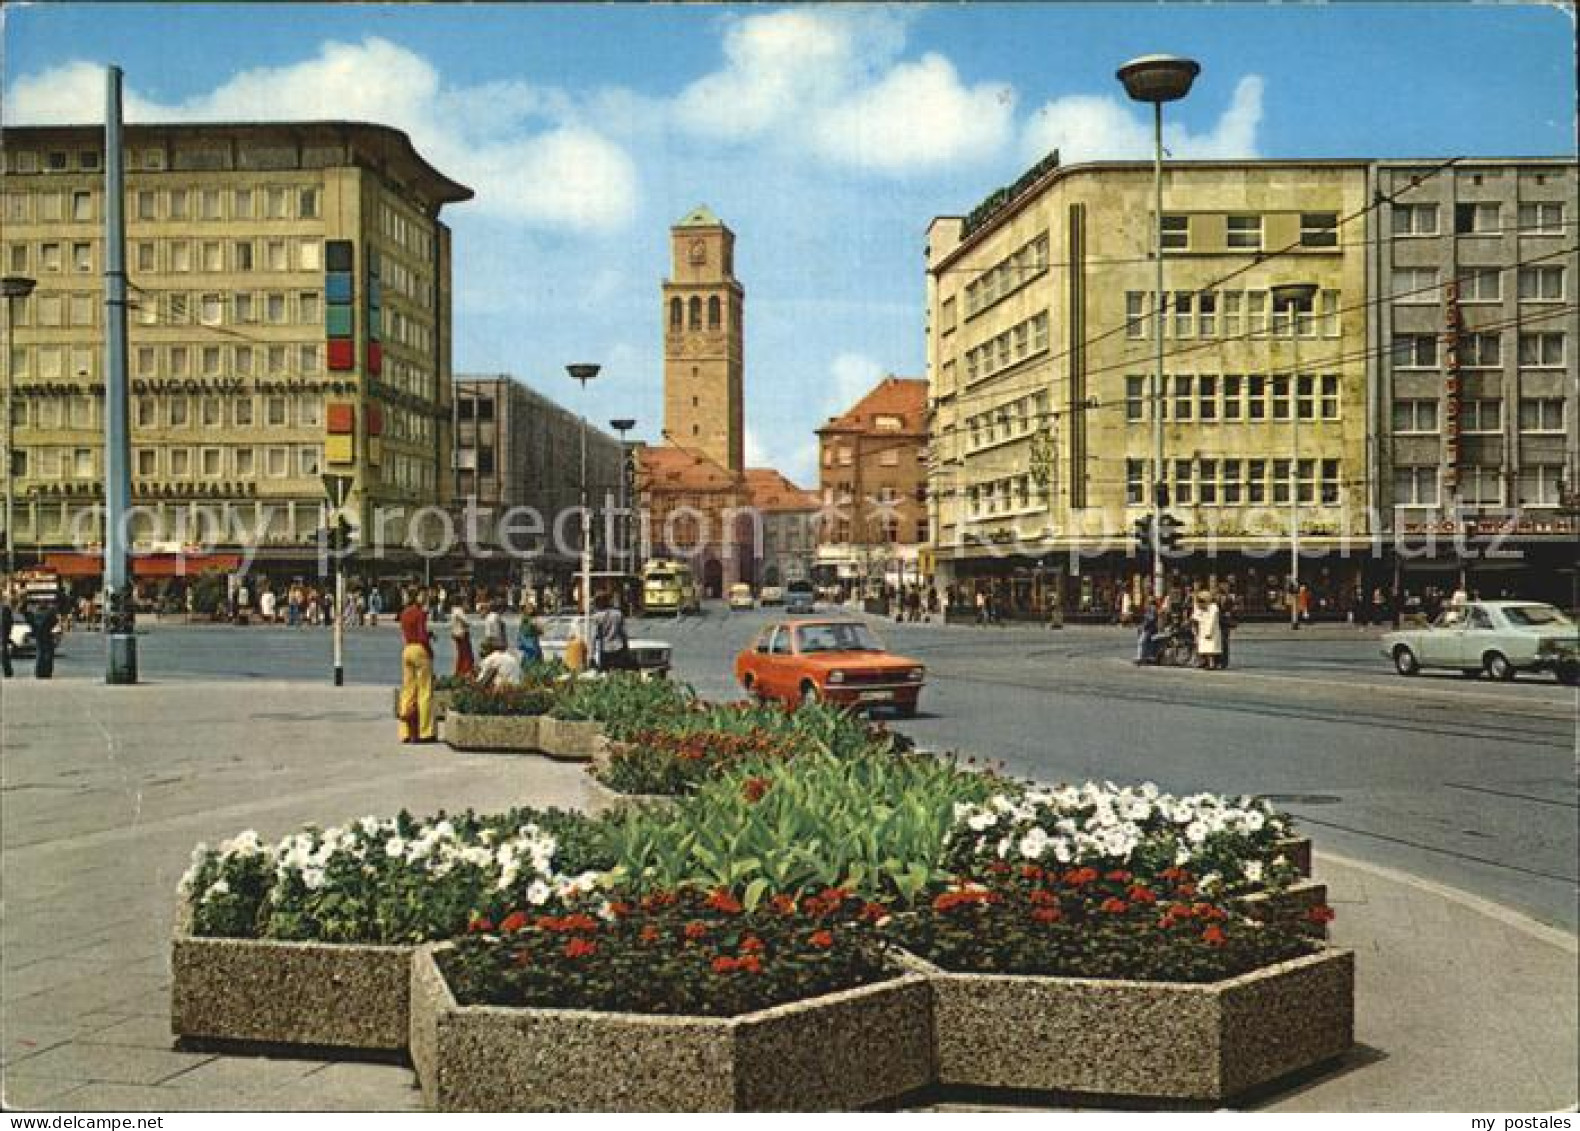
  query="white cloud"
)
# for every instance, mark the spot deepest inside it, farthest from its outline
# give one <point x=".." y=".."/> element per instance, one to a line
<point x="826" y="80"/>
<point x="919" y="115"/>
<point x="853" y="376"/>
<point x="1087" y="127"/>
<point x="521" y="148"/>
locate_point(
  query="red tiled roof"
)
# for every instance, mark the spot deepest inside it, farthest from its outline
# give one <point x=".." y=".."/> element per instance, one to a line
<point x="767" y="490"/>
<point x="666" y="467"/>
<point x="905" y="397"/>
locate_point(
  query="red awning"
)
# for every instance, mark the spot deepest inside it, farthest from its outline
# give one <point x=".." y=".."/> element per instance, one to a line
<point x="145" y="565"/>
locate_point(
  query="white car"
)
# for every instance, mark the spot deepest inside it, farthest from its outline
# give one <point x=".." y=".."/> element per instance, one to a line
<point x="771" y="595"/>
<point x="1500" y="638"/>
<point x="652" y="656"/>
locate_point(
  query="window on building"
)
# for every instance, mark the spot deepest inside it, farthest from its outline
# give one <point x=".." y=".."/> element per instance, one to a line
<point x="1415" y="416"/>
<point x="1319" y="229"/>
<point x="211" y="309"/>
<point x="1135" y="314"/>
<point x="1207" y="482"/>
<point x="307" y="460"/>
<point x="1256" y="397"/>
<point x="1306" y="479"/>
<point x="274" y="307"/>
<point x="1414" y="351"/>
<point x="147" y="412"/>
<point x="1542" y="218"/>
<point x="245" y="463"/>
<point x="88" y="160"/>
<point x="1244" y="232"/>
<point x="1207" y="398"/>
<point x="1176" y="232"/>
<point x="180" y="462"/>
<point x="80" y="310"/>
<point x="49" y="257"/>
<point x="82" y="463"/>
<point x="178" y="204"/>
<point x="1481" y="486"/>
<point x="147" y="205"/>
<point x="82" y="257"/>
<point x="1541" y="350"/>
<point x="274" y="256"/>
<point x="1256" y="481"/>
<point x="1539" y="485"/>
<point x="1207" y="313"/>
<point x="1283" y="471"/>
<point x="1233" y="394"/>
<point x="307" y="204"/>
<point x="147" y="462"/>
<point x="1135" y="482"/>
<point x="308" y="256"/>
<point x="1541" y="284"/>
<point x="275" y="360"/>
<point x="1233" y="482"/>
<point x="211" y="360"/>
<point x="1330" y="482"/>
<point x="1480" y="351"/>
<point x="1481" y="285"/>
<point x="274" y="412"/>
<point x="1416" y="286"/>
<point x="243" y="412"/>
<point x="1481" y="416"/>
<point x="308" y="308"/>
<point x="209" y="463"/>
<point x="1184" y="483"/>
<point x="211" y="412"/>
<point x="1184" y="314"/>
<point x="1475" y="219"/>
<point x="81" y="207"/>
<point x="1280" y="397"/>
<point x="1330" y="396"/>
<point x="1415" y="219"/>
<point x="1306" y="396"/>
<point x="1542" y="414"/>
<point x="277" y="463"/>
<point x="1183" y="384"/>
<point x="1135" y="398"/>
<point x="274" y="204"/>
<point x="694" y="313"/>
<point x="177" y="410"/>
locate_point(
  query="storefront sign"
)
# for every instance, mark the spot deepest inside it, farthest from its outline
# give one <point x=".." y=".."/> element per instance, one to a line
<point x="1451" y="390"/>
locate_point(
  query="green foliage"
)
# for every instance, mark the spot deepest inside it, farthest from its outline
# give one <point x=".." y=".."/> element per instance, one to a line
<point x="671" y="763"/>
<point x="208" y="593"/>
<point x="623" y="703"/>
<point x="874" y="824"/>
<point x="501" y="699"/>
<point x="681" y="953"/>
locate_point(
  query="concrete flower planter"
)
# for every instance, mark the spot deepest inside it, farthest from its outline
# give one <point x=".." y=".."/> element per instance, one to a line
<point x="571" y="740"/>
<point x="601" y="799"/>
<point x="494" y="732"/>
<point x="1152" y="1040"/>
<point x="1298" y="849"/>
<point x="845" y="1050"/>
<point x="1292" y="902"/>
<point x="328" y="995"/>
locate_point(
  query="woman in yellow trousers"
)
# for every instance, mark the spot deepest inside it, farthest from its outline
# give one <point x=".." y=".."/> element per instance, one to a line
<point x="416" y="685"/>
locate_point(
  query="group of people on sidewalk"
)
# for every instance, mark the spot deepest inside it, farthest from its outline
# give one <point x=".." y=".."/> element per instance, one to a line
<point x="499" y="664"/>
<point x="42" y="617"/>
<point x="1208" y="619"/>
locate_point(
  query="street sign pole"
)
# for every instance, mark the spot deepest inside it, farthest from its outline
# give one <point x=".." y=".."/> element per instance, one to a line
<point x="337" y="487"/>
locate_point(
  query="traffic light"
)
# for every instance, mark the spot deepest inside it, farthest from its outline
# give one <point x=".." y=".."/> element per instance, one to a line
<point x="1169" y="534"/>
<point x="1144" y="534"/>
<point x="339" y="534"/>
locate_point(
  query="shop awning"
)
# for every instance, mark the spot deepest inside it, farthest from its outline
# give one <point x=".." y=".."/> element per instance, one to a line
<point x="145" y="566"/>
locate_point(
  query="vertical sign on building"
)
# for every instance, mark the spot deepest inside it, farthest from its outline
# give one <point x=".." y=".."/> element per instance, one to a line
<point x="340" y="332"/>
<point x="375" y="317"/>
<point x="1453" y="397"/>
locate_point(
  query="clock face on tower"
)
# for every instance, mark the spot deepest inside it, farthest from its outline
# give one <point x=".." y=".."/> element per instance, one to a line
<point x="699" y="252"/>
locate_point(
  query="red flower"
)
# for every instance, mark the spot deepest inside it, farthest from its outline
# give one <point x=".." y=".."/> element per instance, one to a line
<point x="1214" y="936"/>
<point x="950" y="900"/>
<point x="1046" y="915"/>
<point x="997" y="867"/>
<point x="650" y="933"/>
<point x="722" y="900"/>
<point x="723" y="964"/>
<point x="1139" y="893"/>
<point x="873" y="912"/>
<point x="750" y="964"/>
<point x="480" y="924"/>
<point x="695" y="930"/>
<point x="1118" y="876"/>
<point x="1079" y="876"/>
<point x="513" y="922"/>
<point x="751" y="944"/>
<point x="1042" y="897"/>
<point x="580" y="948"/>
<point x="1209" y="913"/>
<point x="1030" y="872"/>
<point x="753" y="789"/>
<point x="1181" y="911"/>
<point x="1175" y="875"/>
<point x="783" y="904"/>
<point x="1185" y="891"/>
<point x="619" y="909"/>
<point x="822" y="939"/>
<point x="1320" y="913"/>
<point x="1114" y="906"/>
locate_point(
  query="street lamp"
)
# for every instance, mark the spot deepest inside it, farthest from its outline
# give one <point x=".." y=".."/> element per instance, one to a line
<point x="583" y="373"/>
<point x="1158" y="79"/>
<point x="15" y="288"/>
<point x="622" y="426"/>
<point x="1294" y="297"/>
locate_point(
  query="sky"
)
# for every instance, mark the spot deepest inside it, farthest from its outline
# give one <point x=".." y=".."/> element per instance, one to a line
<point x="826" y="136"/>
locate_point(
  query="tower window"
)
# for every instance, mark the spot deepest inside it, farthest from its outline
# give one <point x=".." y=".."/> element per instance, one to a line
<point x="713" y="313"/>
<point x="674" y="314"/>
<point x="696" y="312"/>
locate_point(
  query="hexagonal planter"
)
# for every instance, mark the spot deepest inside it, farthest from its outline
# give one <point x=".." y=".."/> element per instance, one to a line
<point x="1290" y="902"/>
<point x="326" y="995"/>
<point x="601" y="799"/>
<point x="1151" y="1040"/>
<point x="494" y="732"/>
<point x="571" y="740"/>
<point x="844" y="1050"/>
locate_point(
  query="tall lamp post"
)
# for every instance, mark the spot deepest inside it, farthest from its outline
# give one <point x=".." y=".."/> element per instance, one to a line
<point x="1158" y="79"/>
<point x="1294" y="297"/>
<point x="583" y="373"/>
<point x="15" y="288"/>
<point x="623" y="425"/>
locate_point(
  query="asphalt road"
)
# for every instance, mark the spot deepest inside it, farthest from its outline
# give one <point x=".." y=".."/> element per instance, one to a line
<point x="1468" y="783"/>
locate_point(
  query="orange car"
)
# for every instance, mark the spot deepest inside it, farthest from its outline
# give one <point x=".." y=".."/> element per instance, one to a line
<point x="839" y="661"/>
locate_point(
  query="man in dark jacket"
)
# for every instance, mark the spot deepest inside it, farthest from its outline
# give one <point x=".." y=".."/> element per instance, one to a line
<point x="7" y="620"/>
<point x="43" y="618"/>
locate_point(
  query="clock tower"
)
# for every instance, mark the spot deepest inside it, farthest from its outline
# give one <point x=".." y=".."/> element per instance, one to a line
<point x="704" y="306"/>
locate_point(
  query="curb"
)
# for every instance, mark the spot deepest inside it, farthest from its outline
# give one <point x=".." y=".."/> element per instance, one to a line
<point x="1515" y="920"/>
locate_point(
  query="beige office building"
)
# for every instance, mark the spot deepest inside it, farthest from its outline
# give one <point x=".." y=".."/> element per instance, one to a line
<point x="290" y="290"/>
<point x="1040" y="351"/>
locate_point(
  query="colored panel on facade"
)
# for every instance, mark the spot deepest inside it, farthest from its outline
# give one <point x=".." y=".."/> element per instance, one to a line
<point x="339" y="255"/>
<point x="375" y="450"/>
<point x="337" y="286"/>
<point x="375" y="293"/>
<point x="341" y="417"/>
<point x="375" y="358"/>
<point x="375" y="418"/>
<point x="337" y="320"/>
<point x="340" y="449"/>
<point x="342" y="354"/>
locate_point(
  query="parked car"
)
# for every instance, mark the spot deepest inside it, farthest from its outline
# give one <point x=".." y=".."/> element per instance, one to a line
<point x="1500" y="638"/>
<point x="741" y="596"/>
<point x="652" y="656"/>
<point x="840" y="661"/>
<point x="770" y="595"/>
<point x="800" y="597"/>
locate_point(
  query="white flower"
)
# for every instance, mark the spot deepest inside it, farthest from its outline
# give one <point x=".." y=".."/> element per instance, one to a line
<point x="1253" y="871"/>
<point x="395" y="847"/>
<point x="538" y="893"/>
<point x="1033" y="844"/>
<point x="981" y="821"/>
<point x="1196" y="832"/>
<point x="218" y="887"/>
<point x="313" y="878"/>
<point x="1254" y="820"/>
